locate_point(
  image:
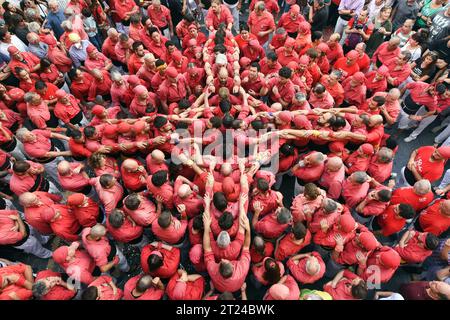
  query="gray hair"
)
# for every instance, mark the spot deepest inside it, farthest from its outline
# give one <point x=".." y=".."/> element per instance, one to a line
<point x="144" y="283"/>
<point x="53" y="2"/>
<point x="284" y="216"/>
<point x="30" y="13"/>
<point x="395" y="92"/>
<point x="67" y="25"/>
<point x="385" y="155"/>
<point x="407" y="55"/>
<point x="116" y="218"/>
<point x="329" y="205"/>
<point x="260" y="6"/>
<point x="69" y="11"/>
<point x="422" y="187"/>
<point x="98" y="230"/>
<point x="39" y="289"/>
<point x="34" y="27"/>
<point x="20" y="133"/>
<point x="115" y="75"/>
<point x="360" y="177"/>
<point x="223" y="239"/>
<point x="111" y="31"/>
<point x="28" y="97"/>
<point x="280" y="30"/>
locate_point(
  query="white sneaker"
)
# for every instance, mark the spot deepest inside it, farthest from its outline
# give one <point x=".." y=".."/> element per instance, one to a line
<point x="409" y="139"/>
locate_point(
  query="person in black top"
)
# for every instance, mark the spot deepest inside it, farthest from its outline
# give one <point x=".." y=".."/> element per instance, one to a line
<point x="318" y="15"/>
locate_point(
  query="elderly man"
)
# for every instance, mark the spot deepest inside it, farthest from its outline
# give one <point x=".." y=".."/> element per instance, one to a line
<point x="310" y="168"/>
<point x="28" y="176"/>
<point x="109" y="45"/>
<point x="261" y="23"/>
<point x="391" y="109"/>
<point x="218" y="13"/>
<point x="36" y="46"/>
<point x="435" y="218"/>
<point x="333" y="176"/>
<point x="399" y="69"/>
<point x="186" y="194"/>
<point x="147" y="69"/>
<point x="37" y="145"/>
<point x="77" y="51"/>
<point x="385" y="52"/>
<point x="55" y="17"/>
<point x="105" y="255"/>
<point x="160" y="16"/>
<point x="381" y="163"/>
<point x="306" y="268"/>
<point x="67" y="110"/>
<point x="355" y="188"/>
<point x="134" y="175"/>
<point x="25" y="60"/>
<point x="73" y="178"/>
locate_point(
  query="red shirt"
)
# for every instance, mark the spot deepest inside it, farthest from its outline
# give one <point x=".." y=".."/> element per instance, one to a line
<point x="389" y="222"/>
<point x="33" y="214"/>
<point x="57" y="292"/>
<point x="171" y="260"/>
<point x="7" y="235"/>
<point x="123" y="7"/>
<point x="231" y="252"/>
<point x="127" y="232"/>
<point x="419" y="96"/>
<point x="383" y="274"/>
<point x="133" y="180"/>
<point x="408" y="196"/>
<point x="348" y="70"/>
<point x="145" y="214"/>
<point x="165" y="191"/>
<point x="240" y="271"/>
<point x="336" y="52"/>
<point x="399" y="73"/>
<point x="86" y="216"/>
<point x="180" y="290"/>
<point x="354" y="193"/>
<point x="298" y="269"/>
<point x="81" y="89"/>
<point x="414" y="251"/>
<point x="264" y="22"/>
<point x="66" y="226"/>
<point x="288" y="246"/>
<point x="343" y="290"/>
<point x="173" y="92"/>
<point x="160" y="17"/>
<point x="105" y="290"/>
<point x="213" y="20"/>
<point x="80" y="268"/>
<point x="18" y="287"/>
<point x="170" y="234"/>
<point x="288" y="24"/>
<point x="151" y="293"/>
<point x="269" y="227"/>
<point x="428" y="170"/>
<point x="383" y="54"/>
<point x="432" y="220"/>
<point x="375" y="85"/>
<point x="258" y="257"/>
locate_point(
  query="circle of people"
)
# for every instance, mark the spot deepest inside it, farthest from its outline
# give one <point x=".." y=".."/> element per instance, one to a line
<point x="106" y="107"/>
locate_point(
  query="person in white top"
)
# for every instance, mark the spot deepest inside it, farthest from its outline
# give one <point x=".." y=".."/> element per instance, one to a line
<point x="7" y="40"/>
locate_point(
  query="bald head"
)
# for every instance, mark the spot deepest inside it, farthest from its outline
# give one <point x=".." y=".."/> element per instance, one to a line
<point x="312" y="266"/>
<point x="335" y="37"/>
<point x="157" y="156"/>
<point x="394" y="94"/>
<point x="276" y="106"/>
<point x="130" y="164"/>
<point x="184" y="191"/>
<point x="375" y="120"/>
<point x="64" y="168"/>
<point x="223" y="72"/>
<point x="27" y="199"/>
<point x="98" y="231"/>
<point x="422" y="187"/>
<point x="445" y="207"/>
<point x="226" y="169"/>
<point x="334" y="164"/>
<point x="144" y="283"/>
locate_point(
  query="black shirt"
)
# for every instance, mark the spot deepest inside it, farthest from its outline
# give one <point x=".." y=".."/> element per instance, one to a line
<point x="320" y="19"/>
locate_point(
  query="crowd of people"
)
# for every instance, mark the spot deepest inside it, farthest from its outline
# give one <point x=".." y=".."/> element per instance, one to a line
<point x="173" y="130"/>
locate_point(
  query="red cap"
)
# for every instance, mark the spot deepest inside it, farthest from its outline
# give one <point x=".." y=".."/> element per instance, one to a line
<point x="367" y="148"/>
<point x="266" y="175"/>
<point x="192" y="26"/>
<point x="359" y="76"/>
<point x="244" y="62"/>
<point x="336" y="146"/>
<point x="139" y="126"/>
<point x="171" y="72"/>
<point x="75" y="199"/>
<point x="302" y="122"/>
<point x="60" y="93"/>
<point x="110" y="129"/>
<point x="90" y="48"/>
<point x="304" y="27"/>
<point x="177" y="56"/>
<point x="368" y="240"/>
<point x="12" y="50"/>
<point x="123" y="127"/>
<point x="383" y="71"/>
<point x="16" y="94"/>
<point x="323" y="47"/>
<point x="347" y="223"/>
<point x="98" y="110"/>
<point x="353" y="54"/>
<point x="304" y="60"/>
<point x="390" y="258"/>
<point x="285" y="116"/>
<point x="444" y="152"/>
<point x="48" y="215"/>
<point x="133" y="80"/>
<point x="140" y="89"/>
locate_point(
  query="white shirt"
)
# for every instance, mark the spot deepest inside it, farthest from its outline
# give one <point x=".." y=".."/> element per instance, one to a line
<point x="15" y="41"/>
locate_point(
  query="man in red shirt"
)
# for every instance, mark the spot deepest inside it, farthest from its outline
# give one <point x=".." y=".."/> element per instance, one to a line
<point x="218" y="13"/>
<point x="393" y="219"/>
<point x="426" y="162"/>
<point x="419" y="196"/>
<point x="261" y="23"/>
<point x="399" y="69"/>
<point x="167" y="227"/>
<point x="436" y="218"/>
<point x="335" y="51"/>
<point x="160" y="260"/>
<point x="385" y="52"/>
<point x="348" y="64"/>
<point x="160" y="16"/>
<point x="134" y="175"/>
<point x="85" y="210"/>
<point x="227" y="275"/>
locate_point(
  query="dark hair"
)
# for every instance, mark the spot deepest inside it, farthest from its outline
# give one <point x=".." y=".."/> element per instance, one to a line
<point x="316" y="35"/>
<point x="86" y="12"/>
<point x="255" y="65"/>
<point x="244" y="26"/>
<point x="226" y="221"/>
<point x="220" y="201"/>
<point x="337" y="122"/>
<point x="237" y="123"/>
<point x="136" y="45"/>
<point x="287" y="149"/>
<point x="72" y="73"/>
<point x="21" y="166"/>
<point x="225" y="105"/>
<point x="73" y="133"/>
<point x="164" y="219"/>
<point x="159" y="63"/>
<point x="272" y="273"/>
<point x="384" y="195"/>
<point x="227" y="120"/>
<point x="219" y="48"/>
<point x="159" y="178"/>
<point x="271" y="55"/>
<point x="91" y="293"/>
<point x="299" y="230"/>
<point x="40" y="85"/>
<point x="431" y="241"/>
<point x="285" y="72"/>
<point x="159" y="122"/>
<point x="359" y="291"/>
<point x="89" y="131"/>
<point x="391" y="143"/>
<point x="132" y="201"/>
<point x="311" y="190"/>
<point x="105" y="179"/>
<point x="379" y="100"/>
<point x="116" y="218"/>
<point x="3" y="32"/>
<point x="225" y="296"/>
<point x="169" y="43"/>
<point x="216" y="122"/>
<point x="319" y="88"/>
<point x="184" y="104"/>
<point x="197" y="223"/>
<point x="406" y="211"/>
<point x="151" y="30"/>
<point x="45" y="63"/>
<point x="262" y="184"/>
<point x="226" y="270"/>
<point x="154" y="262"/>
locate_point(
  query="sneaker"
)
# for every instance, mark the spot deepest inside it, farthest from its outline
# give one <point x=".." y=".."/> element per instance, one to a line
<point x="409" y="139"/>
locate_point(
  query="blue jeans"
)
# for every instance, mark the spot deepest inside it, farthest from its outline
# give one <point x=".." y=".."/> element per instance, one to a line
<point x="96" y="41"/>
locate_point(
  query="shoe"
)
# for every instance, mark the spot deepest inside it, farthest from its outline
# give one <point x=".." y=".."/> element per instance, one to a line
<point x="409" y="139"/>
